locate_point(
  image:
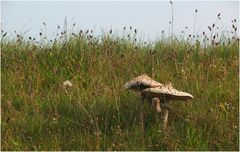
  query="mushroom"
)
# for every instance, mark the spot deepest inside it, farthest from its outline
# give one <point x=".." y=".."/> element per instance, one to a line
<point x="166" y="93"/>
<point x="141" y="82"/>
<point x="138" y="84"/>
<point x="157" y="94"/>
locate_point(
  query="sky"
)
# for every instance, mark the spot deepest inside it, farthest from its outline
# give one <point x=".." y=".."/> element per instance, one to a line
<point x="148" y="17"/>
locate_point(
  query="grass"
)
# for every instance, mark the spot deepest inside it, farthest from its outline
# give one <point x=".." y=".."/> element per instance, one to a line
<point x="96" y="113"/>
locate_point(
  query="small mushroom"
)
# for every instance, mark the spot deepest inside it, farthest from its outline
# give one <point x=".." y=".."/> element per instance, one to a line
<point x="67" y="83"/>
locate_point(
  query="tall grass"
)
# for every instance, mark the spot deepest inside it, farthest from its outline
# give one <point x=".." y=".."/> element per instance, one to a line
<point x="96" y="113"/>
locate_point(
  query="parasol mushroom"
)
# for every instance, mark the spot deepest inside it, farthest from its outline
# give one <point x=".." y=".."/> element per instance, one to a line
<point x="138" y="84"/>
<point x="141" y="82"/>
<point x="166" y="93"/>
<point x="157" y="94"/>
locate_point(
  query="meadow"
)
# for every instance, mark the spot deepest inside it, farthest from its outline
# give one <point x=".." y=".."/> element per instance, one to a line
<point x="39" y="112"/>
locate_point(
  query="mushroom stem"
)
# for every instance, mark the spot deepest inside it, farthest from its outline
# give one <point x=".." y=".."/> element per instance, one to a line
<point x="165" y="118"/>
<point x="141" y="116"/>
<point x="141" y="121"/>
<point x="165" y="113"/>
<point x="157" y="108"/>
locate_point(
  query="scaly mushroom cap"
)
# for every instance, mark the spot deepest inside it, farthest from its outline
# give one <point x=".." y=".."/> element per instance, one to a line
<point x="141" y="82"/>
<point x="167" y="92"/>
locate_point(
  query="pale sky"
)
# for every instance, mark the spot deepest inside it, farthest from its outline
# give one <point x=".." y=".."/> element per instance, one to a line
<point x="150" y="18"/>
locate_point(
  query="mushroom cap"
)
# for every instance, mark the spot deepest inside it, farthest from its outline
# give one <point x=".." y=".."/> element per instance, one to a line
<point x="141" y="82"/>
<point x="167" y="92"/>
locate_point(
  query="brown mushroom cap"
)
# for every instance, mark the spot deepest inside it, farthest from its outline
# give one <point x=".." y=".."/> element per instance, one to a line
<point x="141" y="82"/>
<point x="167" y="92"/>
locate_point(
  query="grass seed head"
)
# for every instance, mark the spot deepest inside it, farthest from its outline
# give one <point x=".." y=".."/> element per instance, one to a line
<point x="4" y="34"/>
<point x="210" y="29"/>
